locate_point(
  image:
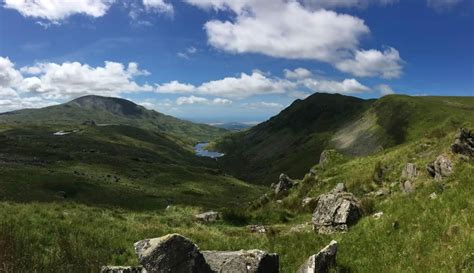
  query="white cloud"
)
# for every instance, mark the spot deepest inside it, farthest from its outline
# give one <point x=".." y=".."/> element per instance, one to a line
<point x="288" y="29"/>
<point x="158" y="5"/>
<point x="187" y="53"/>
<point x="298" y="73"/>
<point x="57" y="10"/>
<point x="202" y="100"/>
<point x="175" y="87"/>
<point x="443" y="5"/>
<point x="347" y="86"/>
<point x="9" y="76"/>
<point x="262" y="104"/>
<point x="75" y="79"/>
<point x="384" y="89"/>
<point x="386" y="64"/>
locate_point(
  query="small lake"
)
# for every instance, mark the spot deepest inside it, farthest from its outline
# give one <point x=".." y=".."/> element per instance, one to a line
<point x="200" y="151"/>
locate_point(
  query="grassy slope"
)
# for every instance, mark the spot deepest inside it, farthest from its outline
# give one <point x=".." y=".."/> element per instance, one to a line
<point x="292" y="141"/>
<point x="105" y="110"/>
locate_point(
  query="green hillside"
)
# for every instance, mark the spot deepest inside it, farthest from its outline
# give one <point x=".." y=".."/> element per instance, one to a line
<point x="112" y="111"/>
<point x="292" y="141"/>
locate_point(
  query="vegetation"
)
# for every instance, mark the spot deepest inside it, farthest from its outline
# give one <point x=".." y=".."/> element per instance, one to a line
<point x="79" y="201"/>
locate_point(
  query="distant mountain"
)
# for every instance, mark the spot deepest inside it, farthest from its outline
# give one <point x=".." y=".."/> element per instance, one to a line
<point x="112" y="111"/>
<point x="292" y="141"/>
<point x="233" y="126"/>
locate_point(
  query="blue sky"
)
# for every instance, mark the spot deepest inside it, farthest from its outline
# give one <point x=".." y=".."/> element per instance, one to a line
<point x="232" y="60"/>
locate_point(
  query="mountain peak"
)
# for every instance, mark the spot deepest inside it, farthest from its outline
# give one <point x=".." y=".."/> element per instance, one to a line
<point x="110" y="104"/>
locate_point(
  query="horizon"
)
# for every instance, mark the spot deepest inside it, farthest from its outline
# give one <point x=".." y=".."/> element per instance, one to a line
<point x="205" y="61"/>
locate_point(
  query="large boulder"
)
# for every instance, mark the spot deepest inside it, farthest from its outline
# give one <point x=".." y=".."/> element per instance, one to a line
<point x="207" y="217"/>
<point x="243" y="261"/>
<point x="284" y="184"/>
<point x="122" y="269"/>
<point x="170" y="253"/>
<point x="321" y="262"/>
<point x="336" y="211"/>
<point x="440" y="168"/>
<point x="464" y="143"/>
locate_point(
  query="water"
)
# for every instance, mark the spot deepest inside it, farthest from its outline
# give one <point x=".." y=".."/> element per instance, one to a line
<point x="200" y="151"/>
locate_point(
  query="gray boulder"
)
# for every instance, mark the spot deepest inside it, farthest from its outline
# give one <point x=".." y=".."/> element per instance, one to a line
<point x="409" y="172"/>
<point x="122" y="269"/>
<point x="440" y="168"/>
<point x="207" y="217"/>
<point x="309" y="203"/>
<point x="336" y="211"/>
<point x="283" y="185"/>
<point x="243" y="261"/>
<point x="321" y="262"/>
<point x="170" y="253"/>
<point x="464" y="143"/>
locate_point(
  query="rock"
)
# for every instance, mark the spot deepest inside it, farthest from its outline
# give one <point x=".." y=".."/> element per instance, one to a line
<point x="300" y="228"/>
<point x="283" y="185"/>
<point x="377" y="215"/>
<point x="309" y="203"/>
<point x="336" y="211"/>
<point x="170" y="253"/>
<point x="440" y="168"/>
<point x="380" y="172"/>
<point x="340" y="187"/>
<point x="329" y="157"/>
<point x="321" y="262"/>
<point x="122" y="269"/>
<point x="279" y="201"/>
<point x="257" y="229"/>
<point x="243" y="261"/>
<point x="433" y="196"/>
<point x="409" y="172"/>
<point x="464" y="143"/>
<point x="407" y="187"/>
<point x="169" y="207"/>
<point x="382" y="192"/>
<point x="62" y="194"/>
<point x="207" y="217"/>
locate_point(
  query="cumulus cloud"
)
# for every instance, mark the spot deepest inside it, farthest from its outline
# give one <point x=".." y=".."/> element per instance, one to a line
<point x="298" y="73"/>
<point x="245" y="85"/>
<point x="202" y="100"/>
<point x="75" y="79"/>
<point x="57" y="10"/>
<point x="384" y="89"/>
<point x="347" y="86"/>
<point x="288" y="29"/>
<point x="187" y="53"/>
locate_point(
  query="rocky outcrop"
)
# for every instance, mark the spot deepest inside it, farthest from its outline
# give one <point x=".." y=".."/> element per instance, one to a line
<point x="440" y="168"/>
<point x="171" y="253"/>
<point x="243" y="261"/>
<point x="207" y="217"/>
<point x="257" y="229"/>
<point x="321" y="262"/>
<point x="336" y="211"/>
<point x="464" y="143"/>
<point x="328" y="157"/>
<point x="283" y="186"/>
<point x="122" y="269"/>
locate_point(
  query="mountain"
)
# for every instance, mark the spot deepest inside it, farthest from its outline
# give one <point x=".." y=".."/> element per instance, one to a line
<point x="292" y="141"/>
<point x="233" y="126"/>
<point x="116" y="111"/>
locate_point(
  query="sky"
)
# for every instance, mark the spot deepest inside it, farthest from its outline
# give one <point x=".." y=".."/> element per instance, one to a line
<point x="232" y="60"/>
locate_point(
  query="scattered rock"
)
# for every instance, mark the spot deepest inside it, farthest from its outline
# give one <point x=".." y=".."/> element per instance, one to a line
<point x="378" y="215"/>
<point x="207" y="217"/>
<point x="433" y="196"/>
<point x="464" y="143"/>
<point x="407" y="187"/>
<point x="380" y="172"/>
<point x="329" y="157"/>
<point x="440" y="168"/>
<point x="382" y="192"/>
<point x="409" y="172"/>
<point x="340" y="187"/>
<point x="62" y="194"/>
<point x="257" y="229"/>
<point x="243" y="261"/>
<point x="300" y="228"/>
<point x="169" y="207"/>
<point x="309" y="203"/>
<point x="283" y="185"/>
<point x="321" y="262"/>
<point x="170" y="253"/>
<point x="122" y="269"/>
<point x="335" y="211"/>
<point x="279" y="201"/>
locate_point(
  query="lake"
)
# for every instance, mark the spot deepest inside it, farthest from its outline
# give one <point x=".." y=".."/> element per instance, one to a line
<point x="200" y="151"/>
